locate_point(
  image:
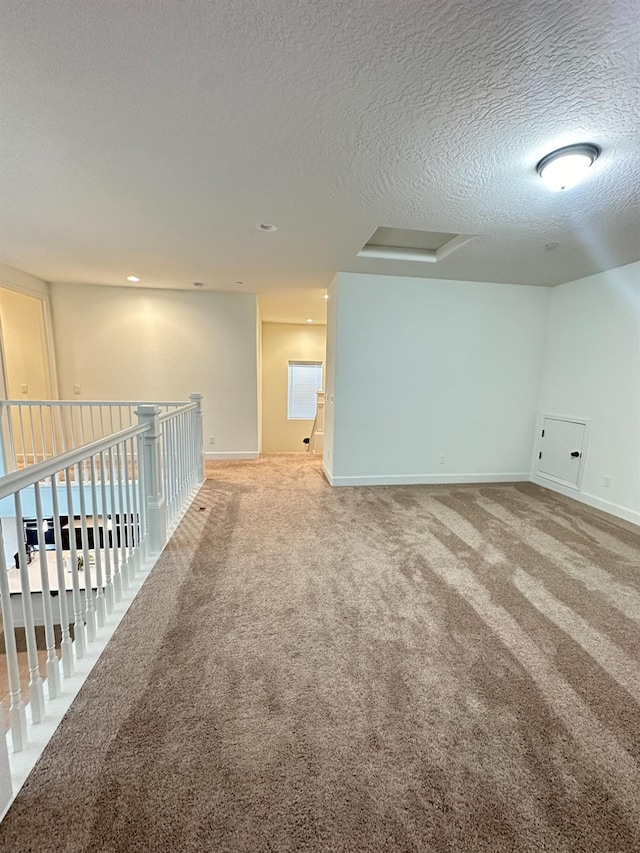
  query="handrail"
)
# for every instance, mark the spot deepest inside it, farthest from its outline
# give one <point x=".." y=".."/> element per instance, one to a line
<point x="25" y="477"/>
<point x="33" y="430"/>
<point x="165" y="416"/>
<point x="103" y="403"/>
<point x="317" y="428"/>
<point x="86" y="523"/>
<point x="312" y="433"/>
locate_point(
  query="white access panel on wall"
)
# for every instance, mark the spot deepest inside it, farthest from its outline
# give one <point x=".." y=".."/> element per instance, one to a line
<point x="563" y="442"/>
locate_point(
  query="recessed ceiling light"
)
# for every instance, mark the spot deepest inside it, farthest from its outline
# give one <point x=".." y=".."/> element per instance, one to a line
<point x="239" y="282"/>
<point x="267" y="226"/>
<point x="309" y="320"/>
<point x="132" y="278"/>
<point x="566" y="167"/>
<point x="198" y="284"/>
<point x="326" y="296"/>
<point x="550" y="246"/>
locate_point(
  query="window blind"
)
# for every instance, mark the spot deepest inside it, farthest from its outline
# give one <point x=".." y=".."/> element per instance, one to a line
<point x="305" y="378"/>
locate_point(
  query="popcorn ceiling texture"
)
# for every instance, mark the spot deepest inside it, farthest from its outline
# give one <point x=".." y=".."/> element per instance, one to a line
<point x="155" y="136"/>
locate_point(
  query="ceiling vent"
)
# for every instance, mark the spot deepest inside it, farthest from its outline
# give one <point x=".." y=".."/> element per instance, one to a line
<point x="397" y="244"/>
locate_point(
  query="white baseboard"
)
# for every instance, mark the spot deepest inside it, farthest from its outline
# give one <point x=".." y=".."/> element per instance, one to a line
<point x="327" y="474"/>
<point x="434" y="479"/>
<point x="424" y="479"/>
<point x="232" y="454"/>
<point x="589" y="500"/>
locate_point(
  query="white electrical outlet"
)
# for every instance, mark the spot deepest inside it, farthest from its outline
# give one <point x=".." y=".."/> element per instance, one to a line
<point x="77" y="389"/>
<point x="24" y="388"/>
<point x="606" y="482"/>
<point x="442" y="459"/>
<point x="212" y="439"/>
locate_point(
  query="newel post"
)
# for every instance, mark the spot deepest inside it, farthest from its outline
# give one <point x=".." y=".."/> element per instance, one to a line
<point x="149" y="449"/>
<point x="199" y="436"/>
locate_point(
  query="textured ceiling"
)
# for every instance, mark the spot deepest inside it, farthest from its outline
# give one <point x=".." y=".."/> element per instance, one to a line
<point x="152" y="137"/>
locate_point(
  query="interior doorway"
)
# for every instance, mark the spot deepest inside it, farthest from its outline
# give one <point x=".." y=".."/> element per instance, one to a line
<point x="293" y="358"/>
<point x="24" y="347"/>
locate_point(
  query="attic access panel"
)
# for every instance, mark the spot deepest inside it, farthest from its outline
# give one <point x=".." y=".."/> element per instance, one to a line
<point x="561" y="451"/>
<point x="398" y="244"/>
<point x="409" y="239"/>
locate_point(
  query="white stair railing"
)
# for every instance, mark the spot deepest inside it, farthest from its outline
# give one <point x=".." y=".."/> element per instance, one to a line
<point x="97" y="515"/>
<point x="74" y="573"/>
<point x="316" y="439"/>
<point x="182" y="460"/>
<point x="34" y="430"/>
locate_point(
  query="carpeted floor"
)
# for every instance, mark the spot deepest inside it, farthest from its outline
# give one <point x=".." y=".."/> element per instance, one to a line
<point x="446" y="668"/>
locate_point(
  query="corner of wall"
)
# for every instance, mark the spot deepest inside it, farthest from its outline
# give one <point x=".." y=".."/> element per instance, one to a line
<point x="259" y="370"/>
<point x="330" y="379"/>
<point x="590" y="368"/>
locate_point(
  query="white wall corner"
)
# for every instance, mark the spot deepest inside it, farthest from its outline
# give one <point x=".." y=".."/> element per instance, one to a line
<point x="591" y="364"/>
<point x="328" y="474"/>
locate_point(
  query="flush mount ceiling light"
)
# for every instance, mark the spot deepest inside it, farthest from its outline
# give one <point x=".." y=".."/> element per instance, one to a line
<point x="132" y="278"/>
<point x="309" y="320"/>
<point x="267" y="226"/>
<point x="566" y="167"/>
<point x="326" y="296"/>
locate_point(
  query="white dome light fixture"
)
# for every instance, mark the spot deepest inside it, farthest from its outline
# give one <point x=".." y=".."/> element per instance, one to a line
<point x="566" y="167"/>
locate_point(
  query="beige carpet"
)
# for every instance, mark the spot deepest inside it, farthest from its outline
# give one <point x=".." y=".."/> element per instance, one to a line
<point x="448" y="668"/>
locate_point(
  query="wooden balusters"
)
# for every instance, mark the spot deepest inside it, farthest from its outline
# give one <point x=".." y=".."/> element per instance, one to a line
<point x="92" y="615"/>
<point x="101" y="610"/>
<point x="17" y="711"/>
<point x="36" y="691"/>
<point x="79" y="608"/>
<point x="53" y="662"/>
<point x="107" y="536"/>
<point x="66" y="644"/>
<point x="120" y="494"/>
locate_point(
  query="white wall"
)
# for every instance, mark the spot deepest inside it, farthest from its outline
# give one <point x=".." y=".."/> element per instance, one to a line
<point x="332" y="355"/>
<point x="132" y="343"/>
<point x="425" y="368"/>
<point x="259" y="372"/>
<point x="592" y="370"/>
<point x="282" y="343"/>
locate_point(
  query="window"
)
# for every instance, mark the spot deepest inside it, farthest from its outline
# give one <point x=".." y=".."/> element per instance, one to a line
<point x="305" y="378"/>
